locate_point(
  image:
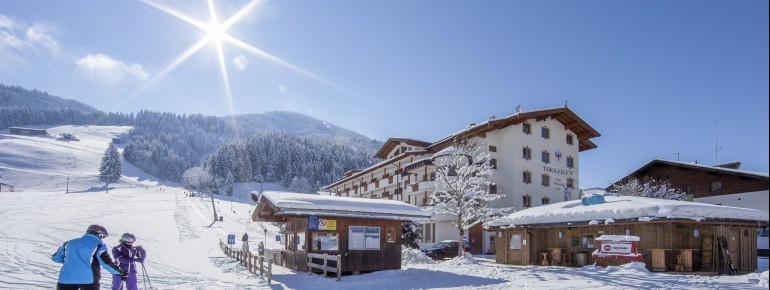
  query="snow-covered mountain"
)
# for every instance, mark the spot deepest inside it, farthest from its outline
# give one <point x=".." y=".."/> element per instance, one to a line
<point x="58" y="194"/>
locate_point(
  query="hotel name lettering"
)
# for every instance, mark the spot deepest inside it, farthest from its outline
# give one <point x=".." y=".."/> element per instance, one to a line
<point x="558" y="170"/>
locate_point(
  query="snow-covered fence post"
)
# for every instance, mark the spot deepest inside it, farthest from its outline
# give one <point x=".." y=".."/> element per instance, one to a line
<point x="269" y="271"/>
<point x="339" y="267"/>
<point x="261" y="265"/>
<point x="250" y="264"/>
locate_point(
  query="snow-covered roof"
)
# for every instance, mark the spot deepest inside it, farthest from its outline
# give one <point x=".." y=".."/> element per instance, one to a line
<point x="702" y="167"/>
<point x="615" y="238"/>
<point x="626" y="207"/>
<point x="291" y="203"/>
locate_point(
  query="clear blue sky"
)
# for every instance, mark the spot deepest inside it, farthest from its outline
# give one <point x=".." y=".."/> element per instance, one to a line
<point x="651" y="76"/>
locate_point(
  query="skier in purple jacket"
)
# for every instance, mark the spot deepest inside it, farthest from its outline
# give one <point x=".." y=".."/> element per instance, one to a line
<point x="126" y="254"/>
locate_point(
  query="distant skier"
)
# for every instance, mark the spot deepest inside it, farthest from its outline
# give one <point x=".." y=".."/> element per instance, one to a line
<point x="81" y="258"/>
<point x="126" y="255"/>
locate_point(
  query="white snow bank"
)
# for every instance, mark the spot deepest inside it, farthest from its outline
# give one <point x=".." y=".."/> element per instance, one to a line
<point x="466" y="259"/>
<point x="760" y="279"/>
<point x="411" y="256"/>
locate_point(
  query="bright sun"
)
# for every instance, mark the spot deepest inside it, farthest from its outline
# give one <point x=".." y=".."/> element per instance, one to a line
<point x="217" y="35"/>
<point x="216" y="32"/>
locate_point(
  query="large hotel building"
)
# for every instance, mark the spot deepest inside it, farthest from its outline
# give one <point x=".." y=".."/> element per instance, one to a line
<point x="535" y="156"/>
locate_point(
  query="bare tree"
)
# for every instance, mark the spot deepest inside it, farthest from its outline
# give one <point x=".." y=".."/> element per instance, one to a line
<point x="648" y="188"/>
<point x="462" y="186"/>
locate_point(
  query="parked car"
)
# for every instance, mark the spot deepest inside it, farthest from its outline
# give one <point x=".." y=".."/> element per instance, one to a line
<point x="445" y="249"/>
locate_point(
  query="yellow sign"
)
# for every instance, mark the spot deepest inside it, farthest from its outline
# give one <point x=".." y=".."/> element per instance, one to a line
<point x="331" y="225"/>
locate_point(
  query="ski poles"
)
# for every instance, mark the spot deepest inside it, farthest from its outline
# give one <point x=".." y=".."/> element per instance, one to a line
<point x="145" y="277"/>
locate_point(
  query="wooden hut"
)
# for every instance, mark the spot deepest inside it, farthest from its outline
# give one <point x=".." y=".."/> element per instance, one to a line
<point x="366" y="233"/>
<point x="27" y="131"/>
<point x="673" y="235"/>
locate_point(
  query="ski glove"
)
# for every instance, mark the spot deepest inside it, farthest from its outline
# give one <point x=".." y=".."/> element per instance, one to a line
<point x="123" y="275"/>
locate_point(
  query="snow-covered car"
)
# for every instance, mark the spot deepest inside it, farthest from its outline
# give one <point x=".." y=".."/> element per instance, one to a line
<point x="445" y="249"/>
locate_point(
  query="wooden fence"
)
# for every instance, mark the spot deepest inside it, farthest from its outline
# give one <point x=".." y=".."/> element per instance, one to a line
<point x="325" y="267"/>
<point x="253" y="263"/>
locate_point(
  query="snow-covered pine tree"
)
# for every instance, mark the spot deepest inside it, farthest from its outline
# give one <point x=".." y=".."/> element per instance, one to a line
<point x="229" y="182"/>
<point x="197" y="178"/>
<point x="111" y="168"/>
<point x="648" y="188"/>
<point x="410" y="235"/>
<point x="462" y="186"/>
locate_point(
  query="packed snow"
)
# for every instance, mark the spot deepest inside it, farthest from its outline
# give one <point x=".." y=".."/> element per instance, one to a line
<point x="182" y="240"/>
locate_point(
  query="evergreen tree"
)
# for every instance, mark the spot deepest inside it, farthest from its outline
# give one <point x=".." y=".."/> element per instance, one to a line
<point x="229" y="182"/>
<point x="111" y="168"/>
<point x="410" y="235"/>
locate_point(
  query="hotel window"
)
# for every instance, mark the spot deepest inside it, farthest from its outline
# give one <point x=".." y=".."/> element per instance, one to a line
<point x="570" y="183"/>
<point x="527" y="201"/>
<point x="570" y="139"/>
<point x="716" y="186"/>
<point x="570" y="162"/>
<point x="428" y="231"/>
<point x="546" y="180"/>
<point x="527" y="177"/>
<point x="493" y="163"/>
<point x="493" y="189"/>
<point x="492" y="148"/>
<point x="526" y="128"/>
<point x="526" y="152"/>
<point x="545" y="200"/>
<point x="545" y="132"/>
<point x="546" y="157"/>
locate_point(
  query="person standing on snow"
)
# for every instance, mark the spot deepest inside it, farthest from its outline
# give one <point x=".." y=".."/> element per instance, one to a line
<point x="81" y="258"/>
<point x="245" y="240"/>
<point x="126" y="255"/>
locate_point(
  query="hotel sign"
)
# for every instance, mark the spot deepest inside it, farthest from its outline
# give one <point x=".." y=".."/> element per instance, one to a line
<point x="549" y="169"/>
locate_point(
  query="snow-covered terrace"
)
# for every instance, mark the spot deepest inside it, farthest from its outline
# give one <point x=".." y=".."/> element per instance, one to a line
<point x="290" y="203"/>
<point x="616" y="208"/>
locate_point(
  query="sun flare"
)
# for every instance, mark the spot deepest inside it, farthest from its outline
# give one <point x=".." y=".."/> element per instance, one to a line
<point x="216" y="33"/>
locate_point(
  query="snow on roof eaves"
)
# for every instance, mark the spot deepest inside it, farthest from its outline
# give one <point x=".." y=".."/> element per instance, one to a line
<point x="291" y="203"/>
<point x="709" y="167"/>
<point x="626" y="207"/>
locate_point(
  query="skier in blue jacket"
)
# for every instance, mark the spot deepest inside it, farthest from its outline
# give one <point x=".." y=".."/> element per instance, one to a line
<point x="81" y="258"/>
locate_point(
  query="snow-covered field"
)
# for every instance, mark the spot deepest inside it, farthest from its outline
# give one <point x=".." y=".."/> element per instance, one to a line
<point x="182" y="241"/>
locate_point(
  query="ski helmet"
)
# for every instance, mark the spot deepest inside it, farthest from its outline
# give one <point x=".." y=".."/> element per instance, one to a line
<point x="127" y="238"/>
<point x="98" y="231"/>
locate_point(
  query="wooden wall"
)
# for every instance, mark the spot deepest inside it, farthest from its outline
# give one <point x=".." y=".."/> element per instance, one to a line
<point x="387" y="258"/>
<point x="653" y="235"/>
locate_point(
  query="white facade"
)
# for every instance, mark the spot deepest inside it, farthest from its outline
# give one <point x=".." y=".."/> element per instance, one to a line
<point x="406" y="172"/>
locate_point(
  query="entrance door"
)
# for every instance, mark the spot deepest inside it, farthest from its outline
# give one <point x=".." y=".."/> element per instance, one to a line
<point x="475" y="238"/>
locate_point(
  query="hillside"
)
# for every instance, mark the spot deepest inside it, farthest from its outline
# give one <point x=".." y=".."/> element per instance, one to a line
<point x="18" y="97"/>
<point x="167" y="144"/>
